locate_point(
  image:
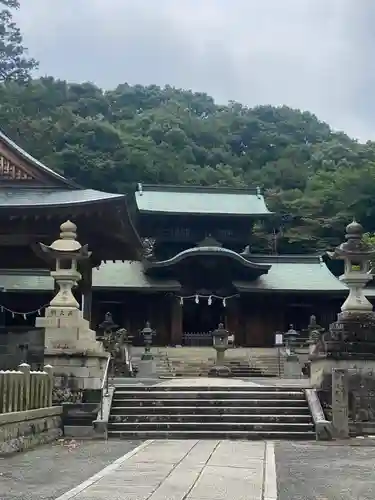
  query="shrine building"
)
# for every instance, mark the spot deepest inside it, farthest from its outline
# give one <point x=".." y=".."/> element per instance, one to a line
<point x="177" y="256"/>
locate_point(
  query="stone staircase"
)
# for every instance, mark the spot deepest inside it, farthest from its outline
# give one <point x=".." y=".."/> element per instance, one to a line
<point x="194" y="362"/>
<point x="269" y="364"/>
<point x="236" y="412"/>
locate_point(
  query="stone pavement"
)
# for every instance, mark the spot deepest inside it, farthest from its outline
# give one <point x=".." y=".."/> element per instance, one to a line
<point x="192" y="470"/>
<point x="49" y="471"/>
<point x="326" y="471"/>
<point x="189" y="469"/>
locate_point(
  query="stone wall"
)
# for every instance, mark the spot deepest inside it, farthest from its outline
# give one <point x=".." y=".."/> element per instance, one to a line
<point x="22" y="430"/>
<point x="361" y="385"/>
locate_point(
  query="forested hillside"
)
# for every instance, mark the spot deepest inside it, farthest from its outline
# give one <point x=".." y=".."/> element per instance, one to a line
<point x="315" y="179"/>
<point x="111" y="140"/>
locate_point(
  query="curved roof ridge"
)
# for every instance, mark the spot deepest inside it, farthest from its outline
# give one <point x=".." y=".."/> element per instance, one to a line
<point x="36" y="163"/>
<point x="208" y="250"/>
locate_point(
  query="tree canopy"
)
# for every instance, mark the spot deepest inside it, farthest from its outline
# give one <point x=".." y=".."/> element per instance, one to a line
<point x="14" y="65"/>
<point x="315" y="179"/>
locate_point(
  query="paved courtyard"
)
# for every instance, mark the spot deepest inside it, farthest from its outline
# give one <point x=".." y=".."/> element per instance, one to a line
<point x="192" y="470"/>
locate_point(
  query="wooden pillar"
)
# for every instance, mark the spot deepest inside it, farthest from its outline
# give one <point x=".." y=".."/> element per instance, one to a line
<point x="2" y="313"/>
<point x="232" y="319"/>
<point x="254" y="322"/>
<point x="176" y="321"/>
<point x="160" y="307"/>
<point x="86" y="289"/>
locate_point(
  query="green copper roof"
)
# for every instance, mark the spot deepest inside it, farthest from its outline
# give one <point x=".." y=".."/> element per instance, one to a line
<point x="128" y="275"/>
<point x="120" y="275"/>
<point x="25" y="280"/>
<point x="287" y="274"/>
<point x="197" y="200"/>
<point x="293" y="274"/>
<point x="39" y="197"/>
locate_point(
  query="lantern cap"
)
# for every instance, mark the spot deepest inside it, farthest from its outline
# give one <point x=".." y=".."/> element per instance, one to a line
<point x="68" y="238"/>
<point x="355" y="247"/>
<point x="67" y="245"/>
<point x="354" y="229"/>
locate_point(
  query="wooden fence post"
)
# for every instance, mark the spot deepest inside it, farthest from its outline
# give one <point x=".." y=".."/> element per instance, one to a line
<point x="25" y="369"/>
<point x="49" y="386"/>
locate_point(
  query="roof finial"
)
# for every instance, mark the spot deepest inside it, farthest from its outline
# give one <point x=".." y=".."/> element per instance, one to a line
<point x="258" y="191"/>
<point x="140" y="188"/>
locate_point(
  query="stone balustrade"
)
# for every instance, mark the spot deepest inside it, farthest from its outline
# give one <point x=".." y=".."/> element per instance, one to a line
<point x="23" y="389"/>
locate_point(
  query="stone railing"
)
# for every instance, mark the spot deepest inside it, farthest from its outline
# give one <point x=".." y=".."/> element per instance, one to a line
<point x="24" y="389"/>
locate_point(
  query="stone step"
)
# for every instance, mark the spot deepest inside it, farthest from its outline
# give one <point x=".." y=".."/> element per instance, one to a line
<point x="198" y="418"/>
<point x="216" y="412"/>
<point x="189" y="371"/>
<point x="140" y="402"/>
<point x="211" y="410"/>
<point x="210" y="388"/>
<point x="199" y="372"/>
<point x="259" y="426"/>
<point x="200" y="394"/>
<point x="212" y="434"/>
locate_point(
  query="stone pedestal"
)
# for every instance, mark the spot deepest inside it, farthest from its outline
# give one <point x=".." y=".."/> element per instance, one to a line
<point x="71" y="348"/>
<point x="220" y="356"/>
<point x="343" y="360"/>
<point x="349" y="344"/>
<point x="292" y="367"/>
<point x="340" y="403"/>
<point x="321" y="370"/>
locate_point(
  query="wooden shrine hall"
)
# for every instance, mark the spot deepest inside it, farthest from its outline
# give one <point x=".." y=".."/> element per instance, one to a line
<point x="35" y="200"/>
<point x="177" y="256"/>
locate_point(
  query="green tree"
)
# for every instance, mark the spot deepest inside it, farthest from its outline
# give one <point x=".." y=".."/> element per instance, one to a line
<point x="369" y="238"/>
<point x="14" y="65"/>
<point x="314" y="179"/>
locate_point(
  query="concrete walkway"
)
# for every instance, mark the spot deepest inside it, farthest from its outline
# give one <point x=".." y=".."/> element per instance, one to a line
<point x="211" y="470"/>
<point x="186" y="470"/>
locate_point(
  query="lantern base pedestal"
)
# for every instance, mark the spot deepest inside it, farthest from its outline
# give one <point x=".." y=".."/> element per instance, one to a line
<point x="321" y="369"/>
<point x="76" y="371"/>
<point x="220" y="371"/>
<point x="349" y="344"/>
<point x="71" y="348"/>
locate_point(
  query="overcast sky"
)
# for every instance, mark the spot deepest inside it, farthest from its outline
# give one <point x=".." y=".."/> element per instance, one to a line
<point x="317" y="55"/>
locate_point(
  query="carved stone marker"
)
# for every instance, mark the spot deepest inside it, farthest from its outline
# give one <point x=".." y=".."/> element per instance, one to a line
<point x="340" y="403"/>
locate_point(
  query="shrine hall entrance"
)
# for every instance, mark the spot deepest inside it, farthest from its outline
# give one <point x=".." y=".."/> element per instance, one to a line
<point x="200" y="319"/>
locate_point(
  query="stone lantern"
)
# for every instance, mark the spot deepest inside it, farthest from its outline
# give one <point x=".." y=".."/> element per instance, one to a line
<point x="220" y="344"/>
<point x="70" y="345"/>
<point x="350" y="341"/>
<point x="66" y="252"/>
<point x="290" y="338"/>
<point x="357" y="256"/>
<point x="147" y="334"/>
<point x="314" y="330"/>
